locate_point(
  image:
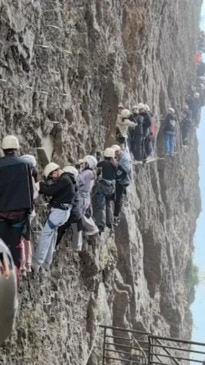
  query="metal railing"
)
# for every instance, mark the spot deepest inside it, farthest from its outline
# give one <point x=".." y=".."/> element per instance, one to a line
<point x="129" y="347"/>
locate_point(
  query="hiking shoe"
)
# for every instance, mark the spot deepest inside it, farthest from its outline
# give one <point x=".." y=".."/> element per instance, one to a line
<point x="109" y="226"/>
<point x="116" y="221"/>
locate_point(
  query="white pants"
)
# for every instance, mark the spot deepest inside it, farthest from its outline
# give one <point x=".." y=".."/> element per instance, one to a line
<point x="88" y="223"/>
<point x="48" y="238"/>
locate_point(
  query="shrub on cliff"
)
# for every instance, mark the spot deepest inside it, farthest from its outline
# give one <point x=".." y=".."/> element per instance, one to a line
<point x="192" y="279"/>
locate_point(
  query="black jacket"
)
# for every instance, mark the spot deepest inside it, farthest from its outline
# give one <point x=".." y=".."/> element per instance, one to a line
<point x="187" y="119"/>
<point x="138" y="130"/>
<point x="16" y="188"/>
<point x="147" y="122"/>
<point x="170" y="123"/>
<point x="194" y="105"/>
<point x="108" y="170"/>
<point x="62" y="191"/>
<point x="76" y="212"/>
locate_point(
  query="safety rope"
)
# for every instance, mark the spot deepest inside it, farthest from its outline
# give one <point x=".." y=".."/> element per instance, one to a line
<point x="134" y="341"/>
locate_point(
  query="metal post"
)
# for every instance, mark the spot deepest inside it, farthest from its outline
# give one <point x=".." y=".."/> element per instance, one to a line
<point x="104" y="340"/>
<point x="150" y="350"/>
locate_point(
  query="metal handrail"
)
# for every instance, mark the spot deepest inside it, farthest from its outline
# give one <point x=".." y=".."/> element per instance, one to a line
<point x="125" y="330"/>
<point x="143" y="348"/>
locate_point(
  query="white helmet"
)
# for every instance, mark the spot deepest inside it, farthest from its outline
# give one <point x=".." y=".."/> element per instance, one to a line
<point x="135" y="107"/>
<point x="197" y="95"/>
<point x="50" y="167"/>
<point x="71" y="170"/>
<point x="125" y="113"/>
<point x="141" y="106"/>
<point x="10" y="142"/>
<point x="116" y="147"/>
<point x="30" y="159"/>
<point x="91" y="161"/>
<point x="147" y="108"/>
<point x="109" y="152"/>
<point x="171" y="110"/>
<point x="120" y="106"/>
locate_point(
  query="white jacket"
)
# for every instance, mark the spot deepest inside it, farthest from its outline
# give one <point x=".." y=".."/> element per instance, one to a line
<point x="123" y="125"/>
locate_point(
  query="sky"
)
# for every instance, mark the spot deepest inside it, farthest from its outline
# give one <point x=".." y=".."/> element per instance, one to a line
<point x="198" y="308"/>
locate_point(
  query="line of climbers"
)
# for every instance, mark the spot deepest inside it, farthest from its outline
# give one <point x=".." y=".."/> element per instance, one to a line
<point x="137" y="129"/>
<point x="80" y="197"/>
<point x="87" y="197"/>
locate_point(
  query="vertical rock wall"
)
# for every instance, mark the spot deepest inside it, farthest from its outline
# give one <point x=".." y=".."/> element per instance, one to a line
<point x="64" y="66"/>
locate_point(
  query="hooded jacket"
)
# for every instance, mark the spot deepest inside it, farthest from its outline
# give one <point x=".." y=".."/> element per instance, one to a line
<point x="16" y="188"/>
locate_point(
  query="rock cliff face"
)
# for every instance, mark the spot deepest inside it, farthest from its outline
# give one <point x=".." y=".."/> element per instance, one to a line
<point x="64" y="66"/>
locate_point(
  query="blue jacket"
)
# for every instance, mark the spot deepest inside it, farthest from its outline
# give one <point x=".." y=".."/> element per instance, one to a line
<point x="124" y="171"/>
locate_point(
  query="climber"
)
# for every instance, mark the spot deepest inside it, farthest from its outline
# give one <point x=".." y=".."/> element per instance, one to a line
<point x="16" y="197"/>
<point x="118" y="120"/>
<point x="169" y="131"/>
<point x="136" y="136"/>
<point x="198" y="58"/>
<point x="8" y="292"/>
<point x="85" y="181"/>
<point x="194" y="105"/>
<point x="123" y="179"/>
<point x="153" y="129"/>
<point x="75" y="219"/>
<point x="98" y="156"/>
<point x="122" y="125"/>
<point x="25" y="241"/>
<point x="147" y="123"/>
<point x="62" y="193"/>
<point x="201" y="69"/>
<point x="105" y="190"/>
<point x="186" y="124"/>
<point x="201" y="89"/>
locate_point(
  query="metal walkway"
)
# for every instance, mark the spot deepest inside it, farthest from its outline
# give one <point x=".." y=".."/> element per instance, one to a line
<point x="129" y="347"/>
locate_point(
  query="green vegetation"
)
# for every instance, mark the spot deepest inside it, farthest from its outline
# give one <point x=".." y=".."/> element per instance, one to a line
<point x="192" y="278"/>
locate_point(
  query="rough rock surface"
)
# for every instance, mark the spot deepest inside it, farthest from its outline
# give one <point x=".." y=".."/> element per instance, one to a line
<point x="64" y="66"/>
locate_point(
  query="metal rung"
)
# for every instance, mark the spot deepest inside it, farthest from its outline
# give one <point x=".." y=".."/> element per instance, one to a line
<point x="177" y="340"/>
<point x="174" y="357"/>
<point x="126" y="346"/>
<point x="126" y="353"/>
<point x="132" y="362"/>
<point x="126" y="339"/>
<point x="125" y="330"/>
<point x="178" y="349"/>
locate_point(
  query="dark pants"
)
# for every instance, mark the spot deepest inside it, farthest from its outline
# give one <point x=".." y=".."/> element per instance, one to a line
<point x="102" y="207"/>
<point x="185" y="134"/>
<point x="120" y="190"/>
<point x="137" y="147"/>
<point x="11" y="235"/>
<point x="148" y="146"/>
<point x="62" y="229"/>
<point x="102" y="210"/>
